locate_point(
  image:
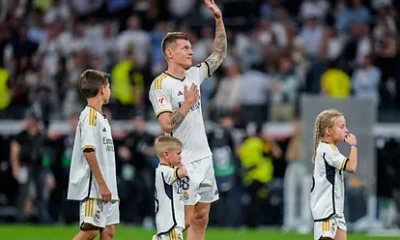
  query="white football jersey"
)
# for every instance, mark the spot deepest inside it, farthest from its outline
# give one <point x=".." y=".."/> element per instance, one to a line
<point x="327" y="190"/>
<point x="166" y="95"/>
<point x="169" y="196"/>
<point x="93" y="131"/>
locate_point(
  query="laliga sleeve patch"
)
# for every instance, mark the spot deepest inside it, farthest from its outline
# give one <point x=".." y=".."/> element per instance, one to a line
<point x="161" y="100"/>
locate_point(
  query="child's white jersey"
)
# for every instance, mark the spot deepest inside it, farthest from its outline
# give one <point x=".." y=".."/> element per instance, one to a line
<point x="93" y="131"/>
<point x="169" y="199"/>
<point x="327" y="190"/>
<point x="166" y="95"/>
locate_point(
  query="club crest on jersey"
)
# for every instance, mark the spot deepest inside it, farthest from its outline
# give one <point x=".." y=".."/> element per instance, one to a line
<point x="184" y="196"/>
<point x="161" y="101"/>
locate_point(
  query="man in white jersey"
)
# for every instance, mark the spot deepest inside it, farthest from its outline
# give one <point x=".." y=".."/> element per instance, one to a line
<point x="93" y="173"/>
<point x="170" y="183"/>
<point x="175" y="98"/>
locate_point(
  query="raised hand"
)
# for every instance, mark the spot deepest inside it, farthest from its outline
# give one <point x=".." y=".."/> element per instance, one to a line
<point x="214" y="8"/>
<point x="351" y="139"/>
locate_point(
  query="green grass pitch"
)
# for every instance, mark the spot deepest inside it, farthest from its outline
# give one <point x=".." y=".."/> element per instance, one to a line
<point x="32" y="232"/>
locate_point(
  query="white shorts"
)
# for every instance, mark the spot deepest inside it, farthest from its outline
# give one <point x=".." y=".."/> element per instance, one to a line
<point x="175" y="234"/>
<point x="98" y="213"/>
<point x="202" y="183"/>
<point x="329" y="227"/>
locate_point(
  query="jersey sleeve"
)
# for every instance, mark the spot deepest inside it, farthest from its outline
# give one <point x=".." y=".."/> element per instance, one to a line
<point x="160" y="98"/>
<point x="200" y="72"/>
<point x="88" y="131"/>
<point x="169" y="174"/>
<point x="335" y="159"/>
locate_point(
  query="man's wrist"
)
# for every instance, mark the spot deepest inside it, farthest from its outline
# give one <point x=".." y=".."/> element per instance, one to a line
<point x="354" y="145"/>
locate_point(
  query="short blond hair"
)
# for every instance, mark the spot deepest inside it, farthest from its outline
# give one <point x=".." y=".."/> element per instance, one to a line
<point x="172" y="37"/>
<point x="167" y="143"/>
<point x="323" y="121"/>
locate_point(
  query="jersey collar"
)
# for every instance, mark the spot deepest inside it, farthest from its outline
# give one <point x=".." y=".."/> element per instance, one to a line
<point x="180" y="79"/>
<point x="163" y="164"/>
<point x="97" y="111"/>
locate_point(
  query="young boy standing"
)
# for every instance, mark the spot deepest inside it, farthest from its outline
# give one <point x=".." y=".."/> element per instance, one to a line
<point x="170" y="183"/>
<point x="93" y="179"/>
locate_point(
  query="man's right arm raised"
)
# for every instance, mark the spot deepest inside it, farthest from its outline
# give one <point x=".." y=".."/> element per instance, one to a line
<point x="160" y="99"/>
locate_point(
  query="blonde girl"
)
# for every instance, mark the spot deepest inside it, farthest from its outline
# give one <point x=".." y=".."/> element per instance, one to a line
<point x="327" y="190"/>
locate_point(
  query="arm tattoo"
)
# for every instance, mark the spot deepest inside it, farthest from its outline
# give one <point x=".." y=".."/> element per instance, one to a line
<point x="176" y="119"/>
<point x="220" y="47"/>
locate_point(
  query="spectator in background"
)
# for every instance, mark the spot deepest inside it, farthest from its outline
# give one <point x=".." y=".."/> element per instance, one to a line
<point x="22" y="46"/>
<point x="317" y="8"/>
<point x="254" y="87"/>
<point x="342" y="16"/>
<point x="37" y="32"/>
<point x="226" y="168"/>
<point x="358" y="45"/>
<point x="256" y="153"/>
<point x="311" y="35"/>
<point x="135" y="173"/>
<point x="335" y="82"/>
<point x="104" y="46"/>
<point x="64" y="208"/>
<point x="250" y="49"/>
<point x="359" y="13"/>
<point x="74" y="100"/>
<point x="366" y="80"/>
<point x="332" y="44"/>
<point x="30" y="168"/>
<point x="179" y="9"/>
<point x="59" y="11"/>
<point x="135" y="36"/>
<point x="75" y="40"/>
<point x="297" y="215"/>
<point x="281" y="26"/>
<point x="387" y="60"/>
<point x="5" y="97"/>
<point x="283" y="88"/>
<point x="127" y="86"/>
<point x="50" y="48"/>
<point x="160" y="30"/>
<point x="227" y="97"/>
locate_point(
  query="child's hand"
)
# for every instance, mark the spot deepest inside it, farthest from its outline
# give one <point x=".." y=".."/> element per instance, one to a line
<point x="351" y="139"/>
<point x="182" y="172"/>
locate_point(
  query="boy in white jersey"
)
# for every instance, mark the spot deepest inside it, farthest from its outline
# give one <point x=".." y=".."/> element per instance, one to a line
<point x="170" y="182"/>
<point x="327" y="190"/>
<point x="93" y="174"/>
<point x="175" y="98"/>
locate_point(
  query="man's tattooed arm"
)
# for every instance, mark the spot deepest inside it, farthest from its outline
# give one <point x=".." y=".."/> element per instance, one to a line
<point x="220" y="47"/>
<point x="176" y="119"/>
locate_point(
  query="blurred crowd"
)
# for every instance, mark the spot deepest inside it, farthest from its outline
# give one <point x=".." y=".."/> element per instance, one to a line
<point x="277" y="50"/>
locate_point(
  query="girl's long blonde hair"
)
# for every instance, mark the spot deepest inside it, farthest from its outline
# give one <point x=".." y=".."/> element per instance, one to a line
<point x="323" y="121"/>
